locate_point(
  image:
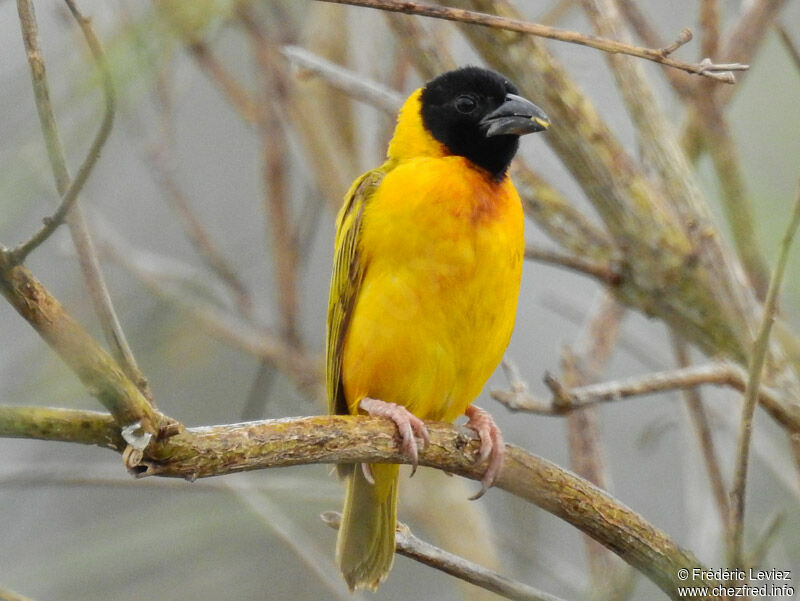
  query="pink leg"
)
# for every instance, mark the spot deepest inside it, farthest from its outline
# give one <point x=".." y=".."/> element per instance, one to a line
<point x="492" y="446"/>
<point x="407" y="424"/>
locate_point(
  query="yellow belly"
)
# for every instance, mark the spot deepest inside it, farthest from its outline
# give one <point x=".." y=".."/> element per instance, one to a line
<point x="443" y="255"/>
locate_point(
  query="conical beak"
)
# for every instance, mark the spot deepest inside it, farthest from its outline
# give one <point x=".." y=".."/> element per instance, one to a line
<point x="516" y="116"/>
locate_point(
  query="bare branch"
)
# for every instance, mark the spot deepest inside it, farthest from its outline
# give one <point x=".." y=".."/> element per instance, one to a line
<point x="218" y="450"/>
<point x="273" y="102"/>
<point x="699" y="419"/>
<point x="98" y="371"/>
<point x="582" y="363"/>
<point x="721" y="73"/>
<point x="237" y="95"/>
<point x="248" y="336"/>
<point x="559" y="219"/>
<point x="65" y="425"/>
<point x="564" y="400"/>
<point x="90" y="266"/>
<point x="344" y="80"/>
<point x="751" y="393"/>
<point x="710" y="26"/>
<point x="605" y="273"/>
<point x="69" y="197"/>
<point x="417" y="549"/>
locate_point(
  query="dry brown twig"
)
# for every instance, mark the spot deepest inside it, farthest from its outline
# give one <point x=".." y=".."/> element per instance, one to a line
<point x="706" y="68"/>
<point x="564" y="400"/>
<point x="582" y="363"/>
<point x="700" y="422"/>
<point x="417" y="549"/>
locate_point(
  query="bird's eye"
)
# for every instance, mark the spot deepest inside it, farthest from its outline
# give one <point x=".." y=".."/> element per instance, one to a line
<point x="465" y="104"/>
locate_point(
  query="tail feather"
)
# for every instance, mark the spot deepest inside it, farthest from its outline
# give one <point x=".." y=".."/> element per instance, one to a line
<point x="365" y="547"/>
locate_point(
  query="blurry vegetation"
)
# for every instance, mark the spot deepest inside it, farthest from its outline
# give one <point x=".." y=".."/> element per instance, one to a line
<point x="238" y="126"/>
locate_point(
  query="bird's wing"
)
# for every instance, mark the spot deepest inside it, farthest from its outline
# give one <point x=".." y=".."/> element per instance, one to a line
<point x="348" y="273"/>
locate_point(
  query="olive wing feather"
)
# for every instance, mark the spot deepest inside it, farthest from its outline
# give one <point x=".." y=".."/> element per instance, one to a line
<point x="348" y="273"/>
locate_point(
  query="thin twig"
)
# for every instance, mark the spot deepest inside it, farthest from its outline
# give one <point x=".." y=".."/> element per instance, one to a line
<point x="69" y="197"/>
<point x="564" y="400"/>
<point x="87" y="257"/>
<point x="344" y="80"/>
<point x="582" y="363"/>
<point x="752" y="390"/>
<point x="199" y="236"/>
<point x="236" y="94"/>
<point x="284" y="526"/>
<point x="275" y="146"/>
<point x="605" y="273"/>
<point x="413" y="547"/>
<point x="699" y="419"/>
<point x="765" y="538"/>
<point x="680" y="81"/>
<point x="248" y="336"/>
<point x="559" y="219"/>
<point x="709" y="25"/>
<point x="721" y="73"/>
<point x="740" y="43"/>
<point x="7" y="595"/>
<point x="789" y="44"/>
<point x="736" y="202"/>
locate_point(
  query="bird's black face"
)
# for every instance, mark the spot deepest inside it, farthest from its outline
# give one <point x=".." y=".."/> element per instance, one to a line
<point x="477" y="114"/>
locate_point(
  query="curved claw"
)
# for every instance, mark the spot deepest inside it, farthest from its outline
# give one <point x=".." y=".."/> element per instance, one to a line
<point x="492" y="446"/>
<point x="408" y="425"/>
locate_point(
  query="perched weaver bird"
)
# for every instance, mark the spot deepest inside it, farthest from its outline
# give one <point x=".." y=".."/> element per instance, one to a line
<point x="426" y="275"/>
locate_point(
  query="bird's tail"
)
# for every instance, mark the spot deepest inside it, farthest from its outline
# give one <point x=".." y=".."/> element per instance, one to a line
<point x="365" y="547"/>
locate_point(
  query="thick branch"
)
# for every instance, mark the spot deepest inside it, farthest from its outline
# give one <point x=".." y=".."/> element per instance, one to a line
<point x="98" y="371"/>
<point x="64" y="425"/>
<point x="217" y="450"/>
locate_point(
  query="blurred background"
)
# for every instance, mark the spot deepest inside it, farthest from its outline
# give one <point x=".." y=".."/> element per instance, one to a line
<point x="261" y="162"/>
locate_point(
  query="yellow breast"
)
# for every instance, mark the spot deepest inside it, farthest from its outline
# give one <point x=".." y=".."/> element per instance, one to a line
<point x="442" y="246"/>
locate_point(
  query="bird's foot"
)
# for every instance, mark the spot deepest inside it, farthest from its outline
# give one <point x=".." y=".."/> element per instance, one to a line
<point x="492" y="446"/>
<point x="407" y="424"/>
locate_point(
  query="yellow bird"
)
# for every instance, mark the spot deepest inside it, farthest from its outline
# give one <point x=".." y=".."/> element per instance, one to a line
<point x="426" y="275"/>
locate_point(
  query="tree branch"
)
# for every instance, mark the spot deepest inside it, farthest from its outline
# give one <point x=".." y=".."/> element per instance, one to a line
<point x="751" y="392"/>
<point x="658" y="55"/>
<point x="64" y="425"/>
<point x="417" y="549"/>
<point x="98" y="371"/>
<point x="345" y="80"/>
<point x="566" y="400"/>
<point x="87" y="257"/>
<point x="69" y="197"/>
<point x="217" y="450"/>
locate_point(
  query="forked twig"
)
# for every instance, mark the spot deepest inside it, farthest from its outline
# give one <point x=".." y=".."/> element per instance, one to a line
<point x="68" y="198"/>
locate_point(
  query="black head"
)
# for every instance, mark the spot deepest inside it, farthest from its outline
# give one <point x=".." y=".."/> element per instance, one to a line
<point x="476" y="113"/>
